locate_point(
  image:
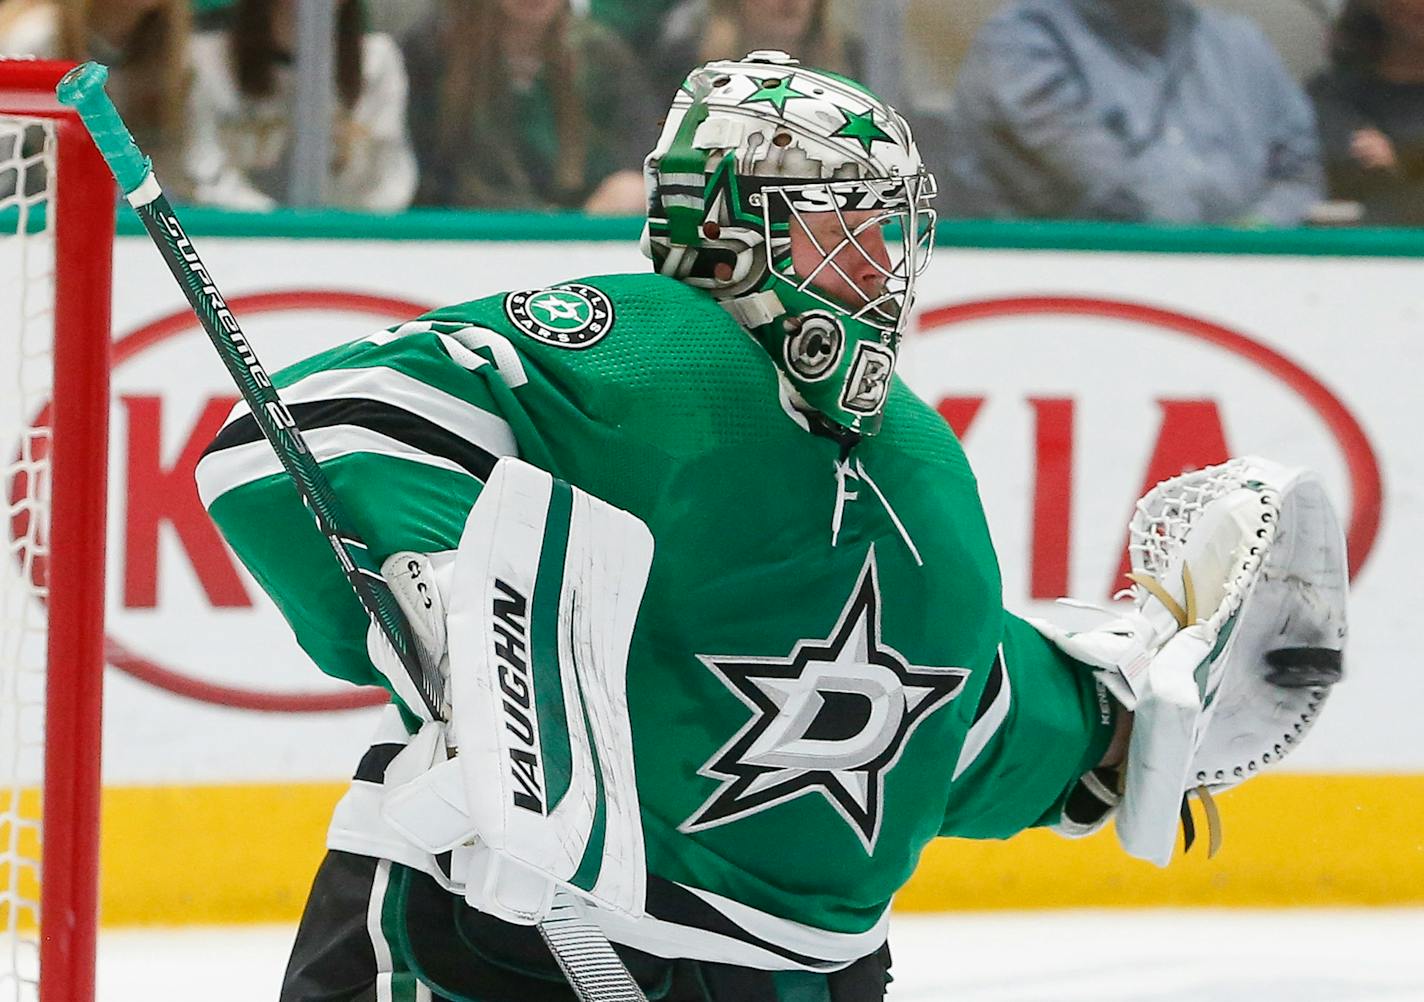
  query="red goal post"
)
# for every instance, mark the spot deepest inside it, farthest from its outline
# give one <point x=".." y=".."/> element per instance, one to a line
<point x="57" y="208"/>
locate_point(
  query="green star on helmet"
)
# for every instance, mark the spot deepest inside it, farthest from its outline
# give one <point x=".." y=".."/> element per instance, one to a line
<point x="862" y="128"/>
<point x="775" y="91"/>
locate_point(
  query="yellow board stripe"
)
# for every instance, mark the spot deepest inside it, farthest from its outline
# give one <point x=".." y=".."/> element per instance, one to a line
<point x="1289" y="840"/>
<point x="223" y="854"/>
<point x="211" y="854"/>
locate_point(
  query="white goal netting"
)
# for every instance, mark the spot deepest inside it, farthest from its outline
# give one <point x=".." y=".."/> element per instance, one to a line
<point x="27" y="163"/>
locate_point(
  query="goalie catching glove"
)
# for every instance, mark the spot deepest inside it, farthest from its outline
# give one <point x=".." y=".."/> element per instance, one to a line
<point x="1234" y="639"/>
<point x="530" y="784"/>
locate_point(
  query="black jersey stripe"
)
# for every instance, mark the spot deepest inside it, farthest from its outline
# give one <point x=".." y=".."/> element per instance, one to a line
<point x="989" y="715"/>
<point x="668" y="902"/>
<point x="991" y="688"/>
<point x="376" y="415"/>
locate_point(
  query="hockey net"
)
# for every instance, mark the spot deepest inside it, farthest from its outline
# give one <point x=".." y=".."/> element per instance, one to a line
<point x="56" y="229"/>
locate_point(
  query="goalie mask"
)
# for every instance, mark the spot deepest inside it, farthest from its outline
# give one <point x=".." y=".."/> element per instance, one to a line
<point x="797" y="198"/>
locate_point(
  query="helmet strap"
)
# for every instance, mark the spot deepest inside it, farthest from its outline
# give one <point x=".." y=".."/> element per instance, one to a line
<point x="756" y="309"/>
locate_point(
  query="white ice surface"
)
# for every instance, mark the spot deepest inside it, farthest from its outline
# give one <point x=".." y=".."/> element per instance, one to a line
<point x="1103" y="956"/>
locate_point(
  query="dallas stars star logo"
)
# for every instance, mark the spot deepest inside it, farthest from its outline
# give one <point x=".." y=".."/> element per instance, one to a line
<point x="775" y="91"/>
<point x="830" y="719"/>
<point x="559" y="311"/>
<point x="862" y="128"/>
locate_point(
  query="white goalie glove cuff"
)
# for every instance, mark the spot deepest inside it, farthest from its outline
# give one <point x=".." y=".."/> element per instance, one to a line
<point x="1119" y="651"/>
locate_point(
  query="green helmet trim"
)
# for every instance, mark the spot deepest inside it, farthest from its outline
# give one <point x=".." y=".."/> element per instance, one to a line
<point x="682" y="158"/>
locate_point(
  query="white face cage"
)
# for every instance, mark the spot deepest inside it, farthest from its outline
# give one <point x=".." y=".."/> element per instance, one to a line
<point x="896" y="211"/>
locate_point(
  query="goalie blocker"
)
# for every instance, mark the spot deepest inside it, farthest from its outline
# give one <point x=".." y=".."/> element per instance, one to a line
<point x="1236" y="635"/>
<point x="530" y="786"/>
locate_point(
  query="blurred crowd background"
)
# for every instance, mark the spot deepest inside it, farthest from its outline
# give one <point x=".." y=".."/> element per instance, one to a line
<point x="1220" y="112"/>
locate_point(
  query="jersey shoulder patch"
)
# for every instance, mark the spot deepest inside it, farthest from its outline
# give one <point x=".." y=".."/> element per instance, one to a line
<point x="574" y="315"/>
<point x="620" y="345"/>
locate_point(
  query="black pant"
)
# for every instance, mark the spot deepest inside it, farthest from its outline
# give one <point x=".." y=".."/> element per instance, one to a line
<point x="465" y="956"/>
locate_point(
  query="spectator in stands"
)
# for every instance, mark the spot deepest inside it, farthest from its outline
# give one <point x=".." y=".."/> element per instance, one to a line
<point x="211" y="15"/>
<point x="522" y="104"/>
<point x="639" y="22"/>
<point x="1128" y="110"/>
<point x="144" y="43"/>
<point x="1371" y="109"/>
<point x="243" y="97"/>
<point x="698" y="31"/>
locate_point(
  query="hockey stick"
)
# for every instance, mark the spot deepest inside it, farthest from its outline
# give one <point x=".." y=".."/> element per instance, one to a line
<point x="83" y="89"/>
<point x="588" y="961"/>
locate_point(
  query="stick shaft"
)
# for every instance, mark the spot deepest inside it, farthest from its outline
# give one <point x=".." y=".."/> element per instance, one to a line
<point x="357" y="562"/>
<point x="83" y="89"/>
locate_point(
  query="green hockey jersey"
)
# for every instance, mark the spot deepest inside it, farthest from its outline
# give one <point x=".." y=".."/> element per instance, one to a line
<point x="822" y="678"/>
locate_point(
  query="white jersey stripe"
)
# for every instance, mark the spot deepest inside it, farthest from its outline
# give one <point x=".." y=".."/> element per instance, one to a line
<point x="986" y="726"/>
<point x="477" y="426"/>
<point x="797" y="936"/>
<point x="374" y="906"/>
